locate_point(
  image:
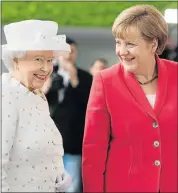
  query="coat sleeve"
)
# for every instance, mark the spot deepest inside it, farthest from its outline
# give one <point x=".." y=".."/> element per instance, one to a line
<point x="9" y="122"/>
<point x="96" y="138"/>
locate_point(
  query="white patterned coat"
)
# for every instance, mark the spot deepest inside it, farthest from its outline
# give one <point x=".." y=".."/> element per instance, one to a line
<point x="32" y="147"/>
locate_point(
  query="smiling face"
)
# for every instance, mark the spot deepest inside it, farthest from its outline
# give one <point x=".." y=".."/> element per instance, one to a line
<point x="141" y="33"/>
<point x="134" y="52"/>
<point x="34" y="69"/>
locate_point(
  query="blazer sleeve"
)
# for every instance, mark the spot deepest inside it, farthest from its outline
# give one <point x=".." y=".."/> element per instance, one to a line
<point x="9" y="122"/>
<point x="96" y="138"/>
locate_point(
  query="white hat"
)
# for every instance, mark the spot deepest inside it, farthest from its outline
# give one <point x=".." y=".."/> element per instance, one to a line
<point x="31" y="35"/>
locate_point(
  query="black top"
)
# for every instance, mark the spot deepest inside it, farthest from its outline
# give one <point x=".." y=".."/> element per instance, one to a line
<point x="69" y="115"/>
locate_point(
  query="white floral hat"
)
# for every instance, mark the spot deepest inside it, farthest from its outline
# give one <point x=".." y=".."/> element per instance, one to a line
<point x="31" y="35"/>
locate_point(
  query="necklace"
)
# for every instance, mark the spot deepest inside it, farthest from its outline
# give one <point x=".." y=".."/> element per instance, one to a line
<point x="155" y="77"/>
<point x="143" y="83"/>
<point x="40" y="93"/>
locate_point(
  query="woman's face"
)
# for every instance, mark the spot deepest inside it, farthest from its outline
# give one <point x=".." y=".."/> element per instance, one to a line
<point x="134" y="52"/>
<point x="35" y="68"/>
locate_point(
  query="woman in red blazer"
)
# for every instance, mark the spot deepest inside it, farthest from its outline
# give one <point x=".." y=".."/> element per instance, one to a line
<point x="130" y="141"/>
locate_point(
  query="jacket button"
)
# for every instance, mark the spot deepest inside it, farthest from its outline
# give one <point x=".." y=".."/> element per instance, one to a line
<point x="156" y="143"/>
<point x="157" y="163"/>
<point x="155" y="125"/>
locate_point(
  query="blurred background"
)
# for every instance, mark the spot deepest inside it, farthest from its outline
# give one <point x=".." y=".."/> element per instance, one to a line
<point x="88" y="23"/>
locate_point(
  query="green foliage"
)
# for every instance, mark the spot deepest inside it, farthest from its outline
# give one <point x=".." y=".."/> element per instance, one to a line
<point x="98" y="14"/>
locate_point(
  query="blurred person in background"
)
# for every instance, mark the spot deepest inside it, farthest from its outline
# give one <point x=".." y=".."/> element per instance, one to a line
<point x="176" y="56"/>
<point x="169" y="51"/>
<point x="98" y="65"/>
<point x="67" y="93"/>
<point x="130" y="139"/>
<point x="32" y="147"/>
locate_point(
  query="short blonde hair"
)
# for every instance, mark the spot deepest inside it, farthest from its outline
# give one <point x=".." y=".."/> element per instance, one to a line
<point x="147" y="19"/>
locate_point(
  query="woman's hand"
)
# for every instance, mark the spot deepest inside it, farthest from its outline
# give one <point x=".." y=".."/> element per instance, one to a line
<point x="63" y="182"/>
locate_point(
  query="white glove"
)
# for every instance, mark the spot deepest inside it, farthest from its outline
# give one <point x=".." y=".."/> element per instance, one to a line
<point x="63" y="182"/>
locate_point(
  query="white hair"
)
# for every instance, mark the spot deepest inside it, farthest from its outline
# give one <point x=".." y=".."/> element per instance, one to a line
<point x="9" y="55"/>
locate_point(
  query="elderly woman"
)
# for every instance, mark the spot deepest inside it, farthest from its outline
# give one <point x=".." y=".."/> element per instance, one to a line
<point x="130" y="142"/>
<point x="32" y="147"/>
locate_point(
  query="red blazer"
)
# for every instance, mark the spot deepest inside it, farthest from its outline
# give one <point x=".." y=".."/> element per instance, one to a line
<point x="129" y="146"/>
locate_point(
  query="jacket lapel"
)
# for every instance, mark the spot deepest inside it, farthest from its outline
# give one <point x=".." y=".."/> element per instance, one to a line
<point x="138" y="94"/>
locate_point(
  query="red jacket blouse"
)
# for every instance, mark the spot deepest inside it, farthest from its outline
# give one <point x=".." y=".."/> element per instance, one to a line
<point x="129" y="146"/>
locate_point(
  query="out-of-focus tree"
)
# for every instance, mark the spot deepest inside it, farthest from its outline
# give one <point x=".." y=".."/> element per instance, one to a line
<point x="99" y="14"/>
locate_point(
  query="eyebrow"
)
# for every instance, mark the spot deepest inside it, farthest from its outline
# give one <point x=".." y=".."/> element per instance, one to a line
<point x="38" y="56"/>
<point x="133" y="41"/>
<point x="41" y="56"/>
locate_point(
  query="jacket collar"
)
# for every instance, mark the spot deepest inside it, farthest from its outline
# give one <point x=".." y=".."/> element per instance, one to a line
<point x="138" y="94"/>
